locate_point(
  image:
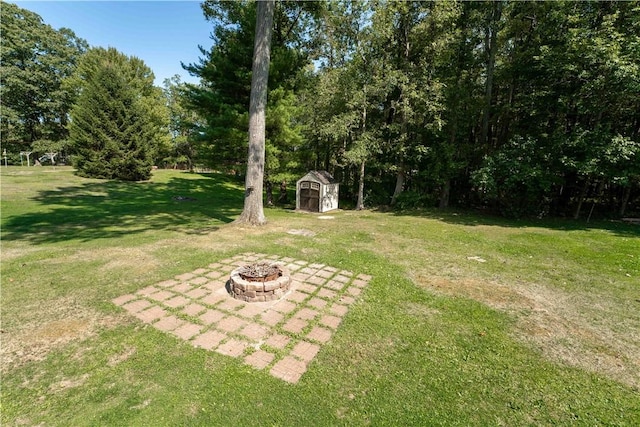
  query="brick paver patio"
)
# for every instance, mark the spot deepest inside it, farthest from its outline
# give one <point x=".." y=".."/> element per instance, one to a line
<point x="282" y="336"/>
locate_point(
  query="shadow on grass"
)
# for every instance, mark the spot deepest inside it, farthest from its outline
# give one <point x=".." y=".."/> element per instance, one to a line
<point x="190" y="203"/>
<point x="471" y="218"/>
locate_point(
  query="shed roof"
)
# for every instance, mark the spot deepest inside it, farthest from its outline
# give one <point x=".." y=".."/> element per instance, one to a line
<point x="322" y="177"/>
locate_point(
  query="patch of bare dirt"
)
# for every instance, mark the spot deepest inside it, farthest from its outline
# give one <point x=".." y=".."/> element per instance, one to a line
<point x="9" y="254"/>
<point x="68" y="383"/>
<point x="136" y="260"/>
<point x="121" y="357"/>
<point x="564" y="327"/>
<point x="52" y="325"/>
<point x="420" y="310"/>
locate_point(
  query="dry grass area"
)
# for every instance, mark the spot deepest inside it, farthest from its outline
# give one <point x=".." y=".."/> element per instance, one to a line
<point x="556" y="323"/>
<point x="51" y="326"/>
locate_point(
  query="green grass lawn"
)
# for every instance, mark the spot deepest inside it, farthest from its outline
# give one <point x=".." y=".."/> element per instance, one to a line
<point x="468" y="320"/>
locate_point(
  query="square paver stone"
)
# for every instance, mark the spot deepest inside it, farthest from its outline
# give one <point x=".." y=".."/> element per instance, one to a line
<point x="259" y="359"/>
<point x="177" y="301"/>
<point x="209" y="340"/>
<point x="211" y="316"/>
<point x="193" y="309"/>
<point x="317" y="303"/>
<point x="295" y="325"/>
<point x="326" y="293"/>
<point x="332" y="284"/>
<point x="342" y="279"/>
<point x="123" y="299"/>
<point x="297" y="296"/>
<point x="278" y="341"/>
<point x="232" y="348"/>
<point x="324" y="273"/>
<point x="271" y="317"/>
<point x="339" y="310"/>
<point x="214" y="298"/>
<point x="251" y="310"/>
<point x="151" y="314"/>
<point x="215" y="286"/>
<point x="316" y="280"/>
<point x="284" y="306"/>
<point x="167" y="283"/>
<point x="306" y="314"/>
<point x="187" y="331"/>
<point x="136" y="306"/>
<point x="360" y="283"/>
<point x="319" y="334"/>
<point x="161" y="295"/>
<point x="331" y="321"/>
<point x="168" y="323"/>
<point x="147" y="291"/>
<point x="301" y="277"/>
<point x="353" y="290"/>
<point x="305" y="350"/>
<point x="289" y="369"/>
<point x="231" y="324"/>
<point x="185" y="277"/>
<point x="198" y="293"/>
<point x="182" y="287"/>
<point x="214" y="274"/>
<point x="346" y="299"/>
<point x="198" y="281"/>
<point x="254" y="331"/>
<point x="307" y="288"/>
<point x="231" y="304"/>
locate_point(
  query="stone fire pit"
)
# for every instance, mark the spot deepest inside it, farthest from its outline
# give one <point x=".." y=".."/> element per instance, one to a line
<point x="259" y="282"/>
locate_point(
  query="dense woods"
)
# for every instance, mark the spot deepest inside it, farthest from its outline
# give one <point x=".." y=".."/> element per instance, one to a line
<point x="519" y="108"/>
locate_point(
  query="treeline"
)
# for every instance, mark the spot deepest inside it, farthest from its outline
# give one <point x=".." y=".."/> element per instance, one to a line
<point x="518" y="107"/>
<point x="61" y="99"/>
<point x="521" y="108"/>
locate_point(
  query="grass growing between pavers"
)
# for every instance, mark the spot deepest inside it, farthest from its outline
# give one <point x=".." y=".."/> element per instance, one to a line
<point x="543" y="332"/>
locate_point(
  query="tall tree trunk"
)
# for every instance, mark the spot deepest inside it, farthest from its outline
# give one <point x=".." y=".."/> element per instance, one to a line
<point x="492" y="48"/>
<point x="444" y="194"/>
<point x="360" y="203"/>
<point x="400" y="178"/>
<point x="625" y="200"/>
<point x="253" y="212"/>
<point x="581" y="197"/>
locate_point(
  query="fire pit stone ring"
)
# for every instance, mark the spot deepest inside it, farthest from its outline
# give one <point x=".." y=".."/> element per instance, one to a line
<point x="247" y="285"/>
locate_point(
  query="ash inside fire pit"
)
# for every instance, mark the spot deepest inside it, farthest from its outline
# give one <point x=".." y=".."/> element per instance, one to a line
<point x="259" y="282"/>
<point x="261" y="272"/>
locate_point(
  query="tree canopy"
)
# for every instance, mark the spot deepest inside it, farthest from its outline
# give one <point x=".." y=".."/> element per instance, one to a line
<point x="36" y="59"/>
<point x="517" y="107"/>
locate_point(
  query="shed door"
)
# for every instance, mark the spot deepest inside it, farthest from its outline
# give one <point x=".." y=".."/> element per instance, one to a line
<point x="310" y="196"/>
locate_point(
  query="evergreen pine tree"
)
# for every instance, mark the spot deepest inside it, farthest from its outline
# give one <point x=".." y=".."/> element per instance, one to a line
<point x="118" y="120"/>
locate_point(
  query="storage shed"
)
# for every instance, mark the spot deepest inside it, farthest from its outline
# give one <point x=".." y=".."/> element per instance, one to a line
<point x="317" y="191"/>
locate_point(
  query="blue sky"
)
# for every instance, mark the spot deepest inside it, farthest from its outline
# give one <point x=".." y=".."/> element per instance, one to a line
<point x="161" y="33"/>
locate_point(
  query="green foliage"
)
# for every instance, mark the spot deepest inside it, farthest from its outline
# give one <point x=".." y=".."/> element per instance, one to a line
<point x="35" y="61"/>
<point x="517" y="179"/>
<point x="183" y="126"/>
<point x="120" y="121"/>
<point x="222" y="97"/>
<point x="453" y="92"/>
